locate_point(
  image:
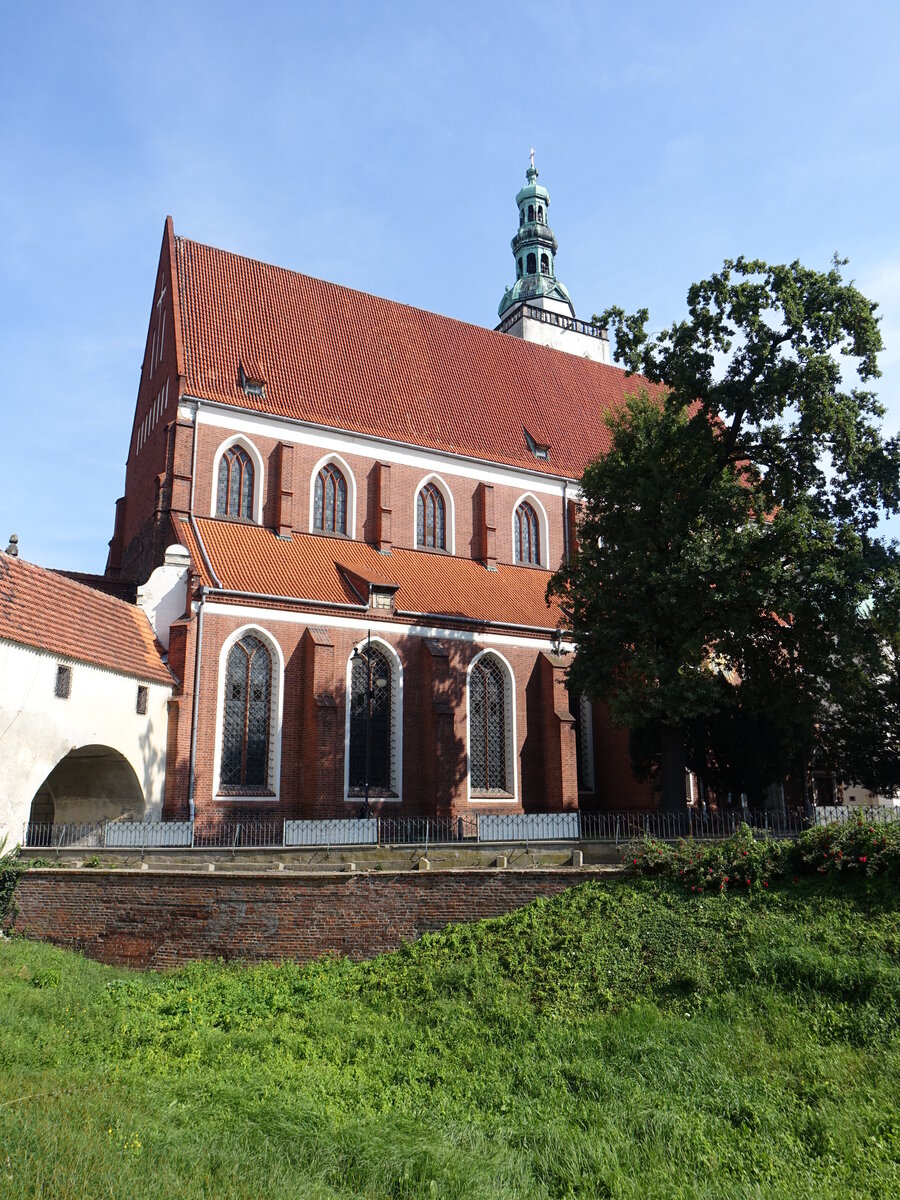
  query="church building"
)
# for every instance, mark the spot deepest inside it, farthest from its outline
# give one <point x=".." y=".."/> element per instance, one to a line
<point x="373" y="499"/>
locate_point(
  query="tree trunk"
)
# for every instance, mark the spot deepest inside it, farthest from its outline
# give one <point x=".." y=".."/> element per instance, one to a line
<point x="672" y="768"/>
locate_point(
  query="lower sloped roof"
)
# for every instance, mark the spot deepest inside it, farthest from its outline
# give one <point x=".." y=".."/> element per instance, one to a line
<point x="312" y="567"/>
<point x="48" y="611"/>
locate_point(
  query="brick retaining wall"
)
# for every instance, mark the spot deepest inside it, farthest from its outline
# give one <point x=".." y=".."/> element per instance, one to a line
<point x="160" y="919"/>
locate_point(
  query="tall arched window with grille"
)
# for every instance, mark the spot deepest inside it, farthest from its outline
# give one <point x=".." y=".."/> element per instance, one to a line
<point x="490" y="728"/>
<point x="372" y="734"/>
<point x="247" y="717"/>
<point x="330" y="505"/>
<point x="431" y="520"/>
<point x="234" y="497"/>
<point x="583" y="712"/>
<point x="527" y="534"/>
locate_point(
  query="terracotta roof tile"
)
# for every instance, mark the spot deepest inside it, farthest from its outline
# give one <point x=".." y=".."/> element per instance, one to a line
<point x="50" y="612"/>
<point x="250" y="558"/>
<point x="341" y="358"/>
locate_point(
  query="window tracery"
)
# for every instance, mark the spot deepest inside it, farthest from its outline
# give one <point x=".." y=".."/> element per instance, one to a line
<point x="234" y="495"/>
<point x="490" y="728"/>
<point x="330" y="506"/>
<point x="526" y="534"/>
<point x="372" y="748"/>
<point x="431" y="518"/>
<point x="247" y="718"/>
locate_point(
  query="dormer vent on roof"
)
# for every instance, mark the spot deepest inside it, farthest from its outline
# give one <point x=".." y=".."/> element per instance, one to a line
<point x="540" y="450"/>
<point x="251" y="380"/>
<point x="374" y="589"/>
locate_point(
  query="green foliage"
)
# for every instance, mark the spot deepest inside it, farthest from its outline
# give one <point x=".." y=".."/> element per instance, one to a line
<point x="856" y="849"/>
<point x="11" y="867"/>
<point x="729" y="592"/>
<point x="622" y="1039"/>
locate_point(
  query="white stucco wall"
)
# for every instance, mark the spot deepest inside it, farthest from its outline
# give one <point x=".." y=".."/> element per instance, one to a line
<point x="861" y="798"/>
<point x="567" y="340"/>
<point x="164" y="596"/>
<point x="38" y="730"/>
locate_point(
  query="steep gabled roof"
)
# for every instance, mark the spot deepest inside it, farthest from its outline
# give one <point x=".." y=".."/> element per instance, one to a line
<point x="314" y="567"/>
<point x="50" y="612"/>
<point x="342" y="358"/>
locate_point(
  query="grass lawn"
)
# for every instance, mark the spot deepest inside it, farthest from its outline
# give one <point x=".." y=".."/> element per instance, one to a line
<point x="625" y="1039"/>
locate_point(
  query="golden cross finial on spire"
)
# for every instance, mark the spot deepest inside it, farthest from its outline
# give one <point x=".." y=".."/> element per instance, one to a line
<point x="532" y="158"/>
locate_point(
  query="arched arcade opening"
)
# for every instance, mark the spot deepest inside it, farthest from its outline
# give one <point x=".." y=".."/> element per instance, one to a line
<point x="91" y="784"/>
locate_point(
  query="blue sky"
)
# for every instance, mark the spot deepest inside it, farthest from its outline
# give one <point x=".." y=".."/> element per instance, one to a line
<point x="380" y="145"/>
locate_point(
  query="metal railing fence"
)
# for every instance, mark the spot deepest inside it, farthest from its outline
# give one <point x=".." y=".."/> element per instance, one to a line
<point x="474" y="829"/>
<point x="693" y="823"/>
<point x="231" y="835"/>
<point x="548" y="317"/>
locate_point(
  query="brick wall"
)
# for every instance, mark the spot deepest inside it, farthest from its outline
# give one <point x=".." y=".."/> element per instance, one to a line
<point x="142" y="527"/>
<point x="434" y="717"/>
<point x="138" y="919"/>
<point x="403" y="483"/>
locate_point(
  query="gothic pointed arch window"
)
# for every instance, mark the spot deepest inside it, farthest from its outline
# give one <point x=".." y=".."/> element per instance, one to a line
<point x="490" y="728"/>
<point x="531" y="265"/>
<point x="527" y="534"/>
<point x="583" y="712"/>
<point x="247" y="718"/>
<point x="373" y="724"/>
<point x="234" y="495"/>
<point x="330" y="505"/>
<point x="431" y="518"/>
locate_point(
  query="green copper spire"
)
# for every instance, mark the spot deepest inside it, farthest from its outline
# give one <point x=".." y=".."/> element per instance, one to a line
<point x="534" y="249"/>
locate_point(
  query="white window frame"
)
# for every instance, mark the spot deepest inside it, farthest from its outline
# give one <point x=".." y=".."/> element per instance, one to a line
<point x="544" y="558"/>
<point x="512" y="758"/>
<point x="396" y="722"/>
<point x="275" y="717"/>
<point x="258" y="474"/>
<point x="449" y="515"/>
<point x="345" y="469"/>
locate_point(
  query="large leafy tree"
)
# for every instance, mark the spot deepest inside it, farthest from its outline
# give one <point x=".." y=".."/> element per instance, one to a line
<point x="730" y="599"/>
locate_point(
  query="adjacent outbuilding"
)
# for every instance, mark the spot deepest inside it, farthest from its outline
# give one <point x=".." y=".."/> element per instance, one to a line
<point x="84" y="692"/>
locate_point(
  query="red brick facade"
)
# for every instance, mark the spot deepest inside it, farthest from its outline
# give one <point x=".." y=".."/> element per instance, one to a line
<point x="138" y="919"/>
<point x="391" y="421"/>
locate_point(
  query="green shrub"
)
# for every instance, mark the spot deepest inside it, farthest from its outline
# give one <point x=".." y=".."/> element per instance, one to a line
<point x="860" y="847"/>
<point x="743" y="861"/>
<point x="12" y="867"/>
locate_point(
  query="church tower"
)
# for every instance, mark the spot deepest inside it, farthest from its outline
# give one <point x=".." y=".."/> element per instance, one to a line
<point x="538" y="308"/>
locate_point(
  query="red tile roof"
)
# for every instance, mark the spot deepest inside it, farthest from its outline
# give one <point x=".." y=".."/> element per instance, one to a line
<point x="250" y="558"/>
<point x="46" y="610"/>
<point x="342" y="358"/>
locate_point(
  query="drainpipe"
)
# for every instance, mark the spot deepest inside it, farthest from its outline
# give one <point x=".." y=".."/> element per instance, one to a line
<point x="197" y="662"/>
<point x="565" y="525"/>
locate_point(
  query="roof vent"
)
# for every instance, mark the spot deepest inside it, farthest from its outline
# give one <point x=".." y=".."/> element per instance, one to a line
<point x="13" y="548"/>
<point x="252" y="383"/>
<point x="540" y="450"/>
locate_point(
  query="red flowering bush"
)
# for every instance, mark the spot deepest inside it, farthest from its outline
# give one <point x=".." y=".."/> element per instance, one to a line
<point x="744" y="862"/>
<point x="740" y="861"/>
<point x="863" y="846"/>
